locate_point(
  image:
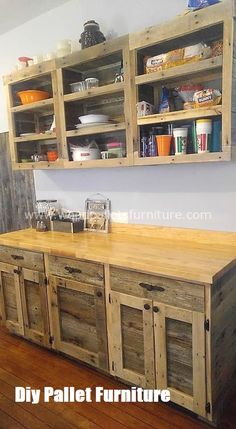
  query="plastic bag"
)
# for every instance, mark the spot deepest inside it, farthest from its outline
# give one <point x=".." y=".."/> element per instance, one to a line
<point x="199" y="4"/>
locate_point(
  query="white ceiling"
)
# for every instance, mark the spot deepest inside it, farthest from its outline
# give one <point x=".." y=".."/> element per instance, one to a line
<point x="15" y="12"/>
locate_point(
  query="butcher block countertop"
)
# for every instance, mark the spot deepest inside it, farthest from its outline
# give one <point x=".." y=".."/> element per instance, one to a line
<point x="193" y="255"/>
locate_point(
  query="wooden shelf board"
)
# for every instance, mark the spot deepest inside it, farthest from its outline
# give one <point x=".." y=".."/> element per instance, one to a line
<point x="180" y="71"/>
<point x="41" y="165"/>
<point x="183" y="159"/>
<point x="98" y="129"/>
<point x="180" y="115"/>
<point x="97" y="163"/>
<point x="38" y="106"/>
<point x="95" y="92"/>
<point x="35" y="137"/>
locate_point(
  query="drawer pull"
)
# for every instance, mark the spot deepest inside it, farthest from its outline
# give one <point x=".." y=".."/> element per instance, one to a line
<point x="72" y="270"/>
<point x="151" y="288"/>
<point x="17" y="257"/>
<point x="156" y="309"/>
<point x="147" y="306"/>
<point x="146" y="286"/>
<point x="99" y="294"/>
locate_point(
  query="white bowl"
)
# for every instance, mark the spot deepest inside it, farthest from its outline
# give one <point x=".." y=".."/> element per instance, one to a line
<point x="91" y="119"/>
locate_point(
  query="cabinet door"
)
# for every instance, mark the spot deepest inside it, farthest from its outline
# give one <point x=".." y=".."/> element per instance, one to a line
<point x="180" y="355"/>
<point x="10" y="299"/>
<point x="79" y="320"/>
<point x="34" y="306"/>
<point x="131" y="335"/>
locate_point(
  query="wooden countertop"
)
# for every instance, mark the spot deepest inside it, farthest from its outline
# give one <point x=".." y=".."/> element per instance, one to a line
<point x="197" y="256"/>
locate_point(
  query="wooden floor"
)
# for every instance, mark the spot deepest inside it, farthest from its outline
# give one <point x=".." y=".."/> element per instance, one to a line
<point x="24" y="364"/>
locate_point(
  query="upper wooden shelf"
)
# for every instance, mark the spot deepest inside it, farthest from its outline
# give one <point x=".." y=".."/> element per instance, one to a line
<point x="181" y="115"/>
<point x="37" y="106"/>
<point x="96" y="129"/>
<point x="35" y="137"/>
<point x="181" y="71"/>
<point x="95" y="92"/>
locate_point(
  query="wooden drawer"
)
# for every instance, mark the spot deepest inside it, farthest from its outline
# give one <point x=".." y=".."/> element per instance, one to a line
<point x="22" y="258"/>
<point x="168" y="291"/>
<point x="83" y="271"/>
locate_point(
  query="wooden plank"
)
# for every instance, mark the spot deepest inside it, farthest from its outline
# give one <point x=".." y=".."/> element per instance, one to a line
<point x="180" y="115"/>
<point x="178" y="72"/>
<point x="98" y="129"/>
<point x="98" y="163"/>
<point x="38" y="106"/>
<point x="82" y="271"/>
<point x="129" y="63"/>
<point x="184" y="159"/>
<point x="208" y="316"/>
<point x="160" y="346"/>
<point x="35" y="137"/>
<point x="29" y="72"/>
<point x="60" y="116"/>
<point x="227" y="83"/>
<point x="182" y="294"/>
<point x="223" y="338"/>
<point x="101" y="329"/>
<point x="199" y="364"/>
<point x="94" y="52"/>
<point x="95" y="92"/>
<point x="181" y="25"/>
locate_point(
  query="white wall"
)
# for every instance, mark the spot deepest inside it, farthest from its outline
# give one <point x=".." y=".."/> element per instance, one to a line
<point x="177" y="195"/>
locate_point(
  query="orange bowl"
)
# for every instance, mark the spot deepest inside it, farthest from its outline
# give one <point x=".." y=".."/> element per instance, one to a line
<point x="32" y="95"/>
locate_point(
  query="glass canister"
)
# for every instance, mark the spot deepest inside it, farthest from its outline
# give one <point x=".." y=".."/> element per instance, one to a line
<point x="91" y="35"/>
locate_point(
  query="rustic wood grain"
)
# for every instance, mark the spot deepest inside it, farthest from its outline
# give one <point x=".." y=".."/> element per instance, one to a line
<point x="17" y="193"/>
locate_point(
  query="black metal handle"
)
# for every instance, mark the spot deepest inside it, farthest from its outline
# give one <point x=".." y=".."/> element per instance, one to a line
<point x="17" y="257"/>
<point x="151" y="288"/>
<point x="99" y="294"/>
<point x="156" y="309"/>
<point x="72" y="270"/>
<point x="16" y="271"/>
<point x="146" y="286"/>
<point x="147" y="306"/>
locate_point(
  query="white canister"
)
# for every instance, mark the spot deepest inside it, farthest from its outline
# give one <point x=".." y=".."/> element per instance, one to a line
<point x="203" y="131"/>
<point x="86" y="153"/>
<point x="181" y="138"/>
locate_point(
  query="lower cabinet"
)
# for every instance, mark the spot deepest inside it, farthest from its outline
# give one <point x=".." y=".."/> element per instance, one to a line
<point x="79" y="320"/>
<point x="11" y="309"/>
<point x="24" y="303"/>
<point x="159" y="346"/>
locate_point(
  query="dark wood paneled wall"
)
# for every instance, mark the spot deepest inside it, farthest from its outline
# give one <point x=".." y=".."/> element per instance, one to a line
<point x="17" y="192"/>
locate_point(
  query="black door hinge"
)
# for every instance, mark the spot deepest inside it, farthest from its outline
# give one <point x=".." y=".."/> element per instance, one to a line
<point x="109" y="298"/>
<point x="113" y="366"/>
<point x="208" y="407"/>
<point x="51" y="339"/>
<point x="17" y="271"/>
<point x="207" y="325"/>
<point x="46" y="282"/>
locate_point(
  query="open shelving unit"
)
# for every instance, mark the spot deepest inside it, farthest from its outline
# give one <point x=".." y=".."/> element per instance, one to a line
<point x="119" y="99"/>
<point x="207" y="25"/>
<point x="110" y="98"/>
<point x="29" y="124"/>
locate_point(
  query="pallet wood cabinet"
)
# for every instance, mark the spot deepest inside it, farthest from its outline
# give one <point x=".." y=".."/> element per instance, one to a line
<point x="29" y="124"/>
<point x="23" y="294"/>
<point x="168" y="322"/>
<point x="209" y="24"/>
<point x="159" y="346"/>
<point x="79" y="320"/>
<point x="118" y="99"/>
<point x="11" y="309"/>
